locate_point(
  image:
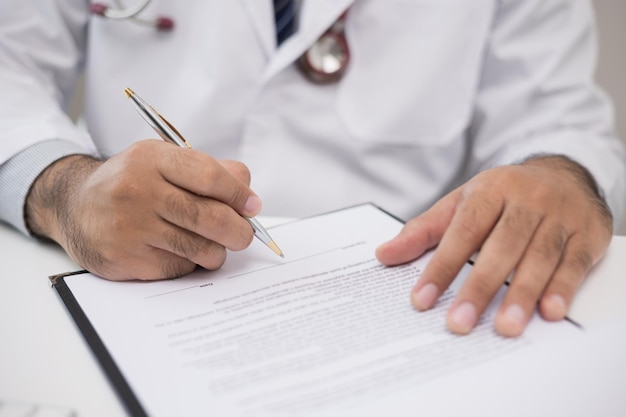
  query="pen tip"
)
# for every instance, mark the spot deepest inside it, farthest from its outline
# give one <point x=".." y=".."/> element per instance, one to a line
<point x="276" y="249"/>
<point x="129" y="92"/>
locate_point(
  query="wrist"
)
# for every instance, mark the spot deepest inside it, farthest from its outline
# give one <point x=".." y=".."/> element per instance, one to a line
<point x="50" y="200"/>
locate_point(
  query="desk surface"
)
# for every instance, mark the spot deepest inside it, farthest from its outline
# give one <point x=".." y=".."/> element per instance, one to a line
<point x="44" y="359"/>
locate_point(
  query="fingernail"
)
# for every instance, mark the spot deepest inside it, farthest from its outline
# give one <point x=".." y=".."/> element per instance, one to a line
<point x="554" y="307"/>
<point x="426" y="297"/>
<point x="515" y="318"/>
<point x="463" y="318"/>
<point x="253" y="205"/>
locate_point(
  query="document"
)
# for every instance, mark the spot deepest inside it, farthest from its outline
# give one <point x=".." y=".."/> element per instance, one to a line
<point x="328" y="331"/>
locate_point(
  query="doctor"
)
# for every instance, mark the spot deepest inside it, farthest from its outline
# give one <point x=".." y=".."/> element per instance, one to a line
<point x="476" y="119"/>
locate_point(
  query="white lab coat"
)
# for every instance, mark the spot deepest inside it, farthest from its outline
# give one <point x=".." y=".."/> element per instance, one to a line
<point x="436" y="91"/>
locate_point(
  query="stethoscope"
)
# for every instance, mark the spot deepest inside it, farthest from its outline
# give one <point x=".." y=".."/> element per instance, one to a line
<point x="161" y="23"/>
<point x="324" y="62"/>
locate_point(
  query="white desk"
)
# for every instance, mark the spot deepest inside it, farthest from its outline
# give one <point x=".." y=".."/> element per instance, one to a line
<point x="44" y="359"/>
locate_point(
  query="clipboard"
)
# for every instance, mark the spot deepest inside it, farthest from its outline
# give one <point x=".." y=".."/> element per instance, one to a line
<point x="108" y="365"/>
<point x="96" y="344"/>
<point x="247" y="282"/>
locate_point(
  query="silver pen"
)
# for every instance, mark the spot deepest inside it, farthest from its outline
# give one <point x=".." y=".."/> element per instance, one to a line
<point x="169" y="134"/>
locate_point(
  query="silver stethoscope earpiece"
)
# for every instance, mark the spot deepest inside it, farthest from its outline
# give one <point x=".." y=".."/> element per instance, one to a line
<point x="130" y="13"/>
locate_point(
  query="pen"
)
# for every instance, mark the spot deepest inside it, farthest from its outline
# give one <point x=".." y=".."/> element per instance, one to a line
<point x="169" y="134"/>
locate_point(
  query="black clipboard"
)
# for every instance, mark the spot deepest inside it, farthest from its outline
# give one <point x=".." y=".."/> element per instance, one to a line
<point x="108" y="365"/>
<point x="106" y="361"/>
<point x="90" y="335"/>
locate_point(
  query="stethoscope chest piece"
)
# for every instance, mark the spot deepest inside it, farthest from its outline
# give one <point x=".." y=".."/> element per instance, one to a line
<point x="327" y="60"/>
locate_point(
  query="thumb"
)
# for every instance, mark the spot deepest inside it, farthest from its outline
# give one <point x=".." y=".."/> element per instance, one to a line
<point x="419" y="234"/>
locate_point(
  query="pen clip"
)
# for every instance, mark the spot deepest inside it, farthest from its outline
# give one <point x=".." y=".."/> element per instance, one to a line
<point x="161" y="126"/>
<point x="171" y="126"/>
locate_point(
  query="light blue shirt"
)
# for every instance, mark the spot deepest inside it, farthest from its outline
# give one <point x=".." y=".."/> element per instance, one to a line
<point x="18" y="174"/>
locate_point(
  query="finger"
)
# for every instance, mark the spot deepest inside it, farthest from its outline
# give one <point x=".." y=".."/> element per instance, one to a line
<point x="201" y="174"/>
<point x="238" y="169"/>
<point x="532" y="274"/>
<point x="185" y="244"/>
<point x="473" y="220"/>
<point x="419" y="234"/>
<point x="173" y="266"/>
<point x="574" y="265"/>
<point x="498" y="257"/>
<point x="208" y="218"/>
<point x="165" y="251"/>
<point x="149" y="264"/>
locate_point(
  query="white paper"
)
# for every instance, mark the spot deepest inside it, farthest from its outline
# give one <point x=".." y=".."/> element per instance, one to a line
<point x="327" y="331"/>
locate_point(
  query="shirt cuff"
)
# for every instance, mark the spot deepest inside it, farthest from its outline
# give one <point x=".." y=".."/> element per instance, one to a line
<point x="18" y="174"/>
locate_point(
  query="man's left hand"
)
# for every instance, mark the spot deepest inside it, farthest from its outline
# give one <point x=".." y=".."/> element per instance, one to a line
<point x="543" y="221"/>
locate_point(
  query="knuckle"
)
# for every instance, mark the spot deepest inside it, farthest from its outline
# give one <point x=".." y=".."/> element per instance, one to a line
<point x="540" y="194"/>
<point x="239" y="170"/>
<point x="180" y="160"/>
<point x="244" y="239"/>
<point x="470" y="229"/>
<point x="495" y="181"/>
<point x="183" y="208"/>
<point x="214" y="256"/>
<point x="142" y="150"/>
<point x="138" y="149"/>
<point x="580" y="260"/>
<point x="516" y="219"/>
<point x="500" y="178"/>
<point x="239" y="197"/>
<point x="476" y="216"/>
<point x="181" y="243"/>
<point x="214" y="219"/>
<point x="221" y="224"/>
<point x="210" y="172"/>
<point x="195" y="249"/>
<point x="551" y="247"/>
<point x="176" y="268"/>
<point x="234" y="234"/>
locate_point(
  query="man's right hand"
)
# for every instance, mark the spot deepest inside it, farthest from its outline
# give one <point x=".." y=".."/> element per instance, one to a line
<point x="152" y="211"/>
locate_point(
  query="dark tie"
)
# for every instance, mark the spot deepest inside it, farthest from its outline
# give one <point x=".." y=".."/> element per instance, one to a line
<point x="285" y="16"/>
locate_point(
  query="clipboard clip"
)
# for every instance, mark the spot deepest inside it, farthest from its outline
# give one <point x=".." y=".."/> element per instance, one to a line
<point x="55" y="278"/>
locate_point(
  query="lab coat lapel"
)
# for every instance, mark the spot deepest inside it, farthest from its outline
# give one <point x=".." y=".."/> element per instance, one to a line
<point x="261" y="15"/>
<point x="316" y="16"/>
